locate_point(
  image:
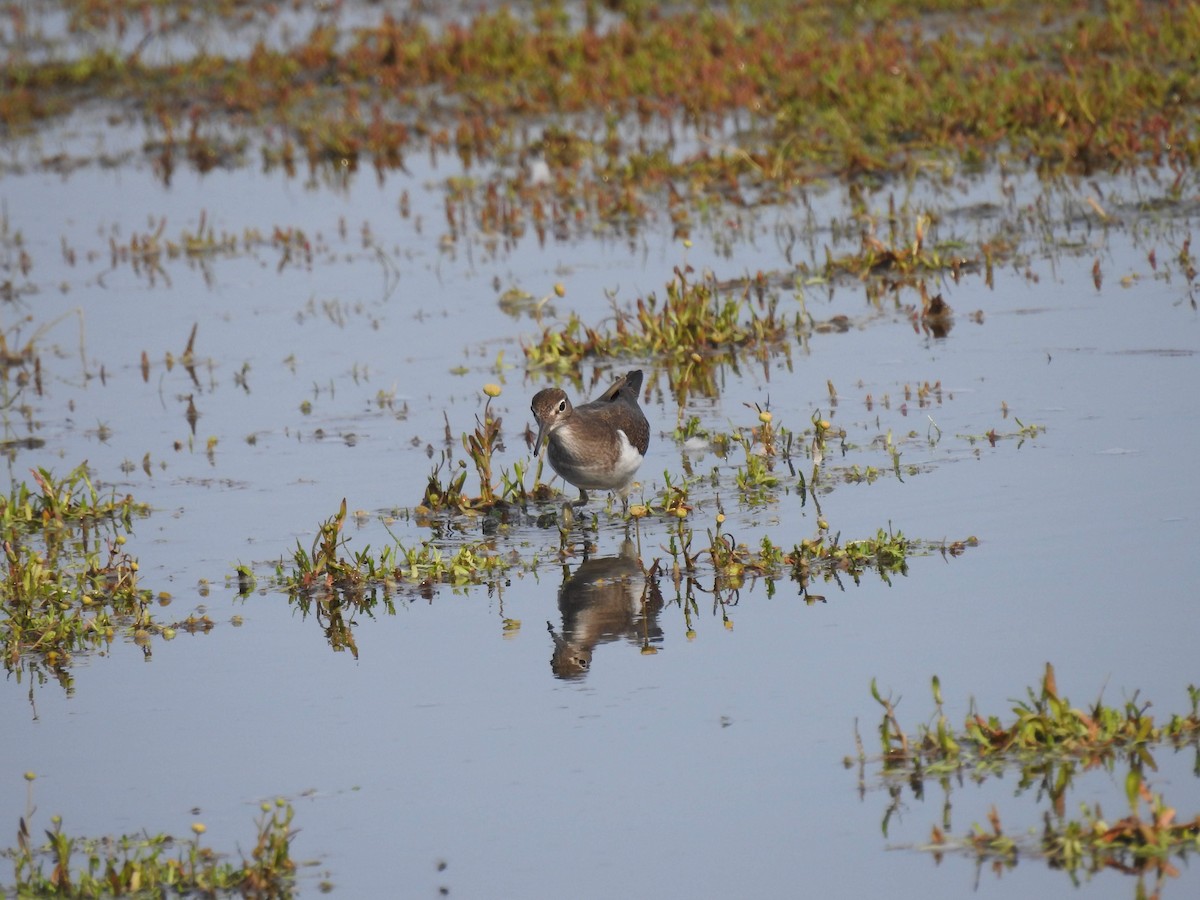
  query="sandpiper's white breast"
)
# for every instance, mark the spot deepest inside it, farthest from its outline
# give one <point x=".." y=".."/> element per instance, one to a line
<point x="628" y="461"/>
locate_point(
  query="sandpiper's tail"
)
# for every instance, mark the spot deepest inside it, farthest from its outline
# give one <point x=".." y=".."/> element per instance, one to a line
<point x="627" y="388"/>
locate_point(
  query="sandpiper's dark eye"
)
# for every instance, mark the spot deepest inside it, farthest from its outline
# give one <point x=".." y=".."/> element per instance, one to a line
<point x="562" y="404"/>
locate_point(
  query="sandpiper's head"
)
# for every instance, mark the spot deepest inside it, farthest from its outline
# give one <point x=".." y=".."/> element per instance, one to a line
<point x="570" y="662"/>
<point x="551" y="407"/>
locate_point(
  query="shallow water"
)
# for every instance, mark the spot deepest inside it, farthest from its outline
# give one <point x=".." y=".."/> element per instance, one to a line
<point x="710" y="767"/>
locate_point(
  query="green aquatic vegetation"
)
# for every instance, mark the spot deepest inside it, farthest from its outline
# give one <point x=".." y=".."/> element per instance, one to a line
<point x="829" y="557"/>
<point x="1044" y="724"/>
<point x="856" y="475"/>
<point x="481" y="444"/>
<point x="695" y="319"/>
<point x="768" y="439"/>
<point x="333" y="588"/>
<point x="756" y="482"/>
<point x="686" y="431"/>
<point x="334" y="584"/>
<point x="772" y="452"/>
<point x="869" y="90"/>
<point x="329" y="567"/>
<point x="731" y="563"/>
<point x="993" y="437"/>
<point x="323" y="567"/>
<point x="146" y="865"/>
<point x="447" y="493"/>
<point x="822" y="558"/>
<point x="68" y="583"/>
<point x="59" y="503"/>
<point x="672" y="502"/>
<point x="904" y="260"/>
<point x="1048" y="740"/>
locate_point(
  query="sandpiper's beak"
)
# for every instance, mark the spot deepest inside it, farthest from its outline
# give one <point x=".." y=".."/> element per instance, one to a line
<point x="543" y="432"/>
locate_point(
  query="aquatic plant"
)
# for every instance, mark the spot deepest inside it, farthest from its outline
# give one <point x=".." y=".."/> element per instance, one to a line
<point x="694" y="320"/>
<point x="68" y="582"/>
<point x="483" y="443"/>
<point x="810" y="560"/>
<point x="144" y="864"/>
<point x="324" y="567"/>
<point x="1048" y="740"/>
<point x="993" y="437"/>
<point x="481" y="446"/>
<point x="903" y="260"/>
<point x="334" y="584"/>
<point x="330" y="567"/>
<point x="56" y="503"/>
<point x="1044" y="723"/>
<point x="873" y="90"/>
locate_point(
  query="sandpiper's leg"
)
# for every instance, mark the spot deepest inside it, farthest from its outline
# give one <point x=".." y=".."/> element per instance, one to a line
<point x="636" y="524"/>
<point x="583" y="498"/>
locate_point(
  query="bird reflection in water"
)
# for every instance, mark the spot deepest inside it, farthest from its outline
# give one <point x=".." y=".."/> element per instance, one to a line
<point x="608" y="598"/>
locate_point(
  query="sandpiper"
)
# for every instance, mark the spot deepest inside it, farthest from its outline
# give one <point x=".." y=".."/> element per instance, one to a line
<point x="597" y="446"/>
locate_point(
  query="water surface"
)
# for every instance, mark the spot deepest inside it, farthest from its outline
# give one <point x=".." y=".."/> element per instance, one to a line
<point x="713" y="766"/>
